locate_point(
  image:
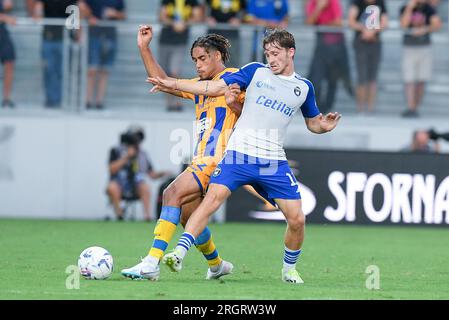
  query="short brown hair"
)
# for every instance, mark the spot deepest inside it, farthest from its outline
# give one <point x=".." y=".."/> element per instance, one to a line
<point x="282" y="38"/>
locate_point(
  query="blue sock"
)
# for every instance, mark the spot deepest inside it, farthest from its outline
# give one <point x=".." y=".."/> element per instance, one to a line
<point x="184" y="244"/>
<point x="290" y="258"/>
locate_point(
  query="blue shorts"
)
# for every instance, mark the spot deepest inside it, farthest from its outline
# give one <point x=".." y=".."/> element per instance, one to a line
<point x="272" y="179"/>
<point x="102" y="51"/>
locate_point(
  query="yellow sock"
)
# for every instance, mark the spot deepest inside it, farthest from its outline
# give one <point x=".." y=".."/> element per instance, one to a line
<point x="164" y="230"/>
<point x="209" y="250"/>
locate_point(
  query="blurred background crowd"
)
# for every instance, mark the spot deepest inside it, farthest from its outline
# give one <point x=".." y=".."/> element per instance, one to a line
<point x="387" y="56"/>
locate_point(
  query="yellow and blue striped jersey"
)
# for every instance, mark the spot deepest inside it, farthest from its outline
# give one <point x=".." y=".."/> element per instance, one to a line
<point x="215" y="122"/>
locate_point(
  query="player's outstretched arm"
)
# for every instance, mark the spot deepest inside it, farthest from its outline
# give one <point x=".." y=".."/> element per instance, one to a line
<point x="323" y="124"/>
<point x="153" y="68"/>
<point x="208" y="88"/>
<point x="144" y="37"/>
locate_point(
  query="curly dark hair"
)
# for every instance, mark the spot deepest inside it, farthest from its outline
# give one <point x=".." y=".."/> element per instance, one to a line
<point x="213" y="42"/>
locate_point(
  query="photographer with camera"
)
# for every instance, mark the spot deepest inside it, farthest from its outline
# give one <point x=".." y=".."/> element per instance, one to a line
<point x="128" y="166"/>
<point x="426" y="141"/>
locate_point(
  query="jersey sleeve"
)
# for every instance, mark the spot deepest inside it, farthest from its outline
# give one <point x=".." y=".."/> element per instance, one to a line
<point x="309" y="108"/>
<point x="244" y="76"/>
<point x="187" y="95"/>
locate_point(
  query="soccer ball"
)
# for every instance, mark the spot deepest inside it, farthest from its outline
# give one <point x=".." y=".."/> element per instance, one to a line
<point x="95" y="263"/>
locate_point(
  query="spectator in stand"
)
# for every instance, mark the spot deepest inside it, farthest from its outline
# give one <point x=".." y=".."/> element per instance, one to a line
<point x="420" y="20"/>
<point x="368" y="18"/>
<point x="129" y="166"/>
<point x="52" y="51"/>
<point x="330" y="58"/>
<point x="176" y="15"/>
<point x="29" y="6"/>
<point x="102" y="45"/>
<point x="423" y="141"/>
<point x="269" y="14"/>
<point x="231" y="13"/>
<point x="7" y="52"/>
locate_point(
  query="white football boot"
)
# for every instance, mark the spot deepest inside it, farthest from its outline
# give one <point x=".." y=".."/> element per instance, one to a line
<point x="291" y="276"/>
<point x="143" y="270"/>
<point x="225" y="268"/>
<point x="173" y="261"/>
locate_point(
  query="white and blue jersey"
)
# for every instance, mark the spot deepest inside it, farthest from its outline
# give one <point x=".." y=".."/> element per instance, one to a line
<point x="270" y="104"/>
<point x="255" y="153"/>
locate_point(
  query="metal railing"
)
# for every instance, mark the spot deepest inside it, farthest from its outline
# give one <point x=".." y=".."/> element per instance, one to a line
<point x="75" y="56"/>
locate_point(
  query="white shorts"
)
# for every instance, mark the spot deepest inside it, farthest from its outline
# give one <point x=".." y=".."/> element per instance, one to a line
<point x="417" y="64"/>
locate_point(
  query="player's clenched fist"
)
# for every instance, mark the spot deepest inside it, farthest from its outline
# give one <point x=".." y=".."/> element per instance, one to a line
<point x="144" y="36"/>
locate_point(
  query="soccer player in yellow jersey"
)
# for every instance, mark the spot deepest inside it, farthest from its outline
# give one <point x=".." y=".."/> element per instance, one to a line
<point x="215" y="121"/>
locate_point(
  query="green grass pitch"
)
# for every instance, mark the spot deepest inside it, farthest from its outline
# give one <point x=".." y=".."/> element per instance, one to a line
<point x="413" y="262"/>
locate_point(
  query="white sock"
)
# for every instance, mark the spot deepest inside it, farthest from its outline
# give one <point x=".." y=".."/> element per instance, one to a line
<point x="290" y="258"/>
<point x="288" y="266"/>
<point x="184" y="244"/>
<point x="181" y="251"/>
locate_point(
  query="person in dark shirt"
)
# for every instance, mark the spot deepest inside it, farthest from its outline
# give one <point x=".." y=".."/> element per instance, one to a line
<point x="128" y="167"/>
<point x="52" y="50"/>
<point x="175" y="16"/>
<point x="102" y="45"/>
<point x="368" y="18"/>
<point x="7" y="52"/>
<point x="229" y="12"/>
<point x="419" y="20"/>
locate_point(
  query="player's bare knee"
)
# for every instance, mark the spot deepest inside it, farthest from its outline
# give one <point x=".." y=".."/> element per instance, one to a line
<point x="166" y="194"/>
<point x="171" y="195"/>
<point x="297" y="222"/>
<point x="212" y="200"/>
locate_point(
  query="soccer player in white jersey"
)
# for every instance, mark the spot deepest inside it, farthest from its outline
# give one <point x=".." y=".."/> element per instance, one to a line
<point x="255" y="153"/>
